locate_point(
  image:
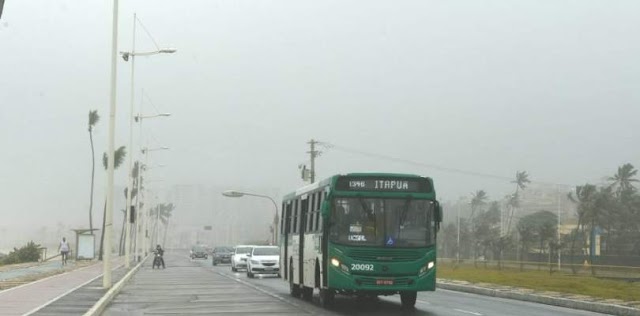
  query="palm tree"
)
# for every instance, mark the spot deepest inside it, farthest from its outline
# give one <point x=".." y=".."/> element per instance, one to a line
<point x="167" y="216"/>
<point x="118" y="158"/>
<point x="93" y="120"/>
<point x="163" y="212"/>
<point x="521" y="181"/>
<point x="478" y="199"/>
<point x="624" y="178"/>
<point x="585" y="198"/>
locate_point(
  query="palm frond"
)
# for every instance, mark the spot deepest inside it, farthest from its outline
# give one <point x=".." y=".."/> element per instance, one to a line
<point x="93" y="119"/>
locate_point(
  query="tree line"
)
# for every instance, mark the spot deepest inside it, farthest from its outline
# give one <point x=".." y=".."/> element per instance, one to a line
<point x="609" y="212"/>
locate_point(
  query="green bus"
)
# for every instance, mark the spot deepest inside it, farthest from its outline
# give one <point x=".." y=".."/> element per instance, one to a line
<point x="363" y="234"/>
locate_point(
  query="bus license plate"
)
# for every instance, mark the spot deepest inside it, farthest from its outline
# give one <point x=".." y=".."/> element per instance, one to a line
<point x="384" y="282"/>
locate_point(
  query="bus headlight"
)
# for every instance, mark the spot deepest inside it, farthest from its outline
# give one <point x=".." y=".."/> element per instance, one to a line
<point x="427" y="267"/>
<point x="335" y="262"/>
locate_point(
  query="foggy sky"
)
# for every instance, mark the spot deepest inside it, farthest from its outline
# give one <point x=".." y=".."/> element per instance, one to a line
<point x="485" y="86"/>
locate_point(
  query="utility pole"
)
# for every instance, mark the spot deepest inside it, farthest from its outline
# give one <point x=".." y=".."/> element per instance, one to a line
<point x="313" y="154"/>
<point x="458" y="238"/>
<point x="558" y="228"/>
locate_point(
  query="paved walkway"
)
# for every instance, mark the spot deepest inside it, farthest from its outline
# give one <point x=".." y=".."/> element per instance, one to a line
<point x="31" y="297"/>
<point x="41" y="268"/>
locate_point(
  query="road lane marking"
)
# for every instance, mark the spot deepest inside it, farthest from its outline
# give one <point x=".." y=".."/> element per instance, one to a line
<point x="280" y="298"/>
<point x="423" y="302"/>
<point x="467" y="312"/>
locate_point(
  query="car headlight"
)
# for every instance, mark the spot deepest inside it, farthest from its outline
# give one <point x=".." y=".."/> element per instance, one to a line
<point x="255" y="262"/>
<point x="335" y="262"/>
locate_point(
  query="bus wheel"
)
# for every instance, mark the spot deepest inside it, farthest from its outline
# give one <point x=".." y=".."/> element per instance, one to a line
<point x="326" y="298"/>
<point x="408" y="299"/>
<point x="307" y="293"/>
<point x="294" y="290"/>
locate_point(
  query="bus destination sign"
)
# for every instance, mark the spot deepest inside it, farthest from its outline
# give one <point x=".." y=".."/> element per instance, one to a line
<point x="383" y="184"/>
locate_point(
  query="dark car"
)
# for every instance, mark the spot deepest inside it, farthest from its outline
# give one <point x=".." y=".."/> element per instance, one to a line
<point x="199" y="252"/>
<point x="221" y="255"/>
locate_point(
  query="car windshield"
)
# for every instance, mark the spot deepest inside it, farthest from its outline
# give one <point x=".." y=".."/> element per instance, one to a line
<point x="198" y="249"/>
<point x="383" y="222"/>
<point x="266" y="251"/>
<point x="243" y="250"/>
<point x="223" y="249"/>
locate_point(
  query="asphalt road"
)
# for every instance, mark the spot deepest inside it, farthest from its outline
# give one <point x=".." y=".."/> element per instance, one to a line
<point x="196" y="287"/>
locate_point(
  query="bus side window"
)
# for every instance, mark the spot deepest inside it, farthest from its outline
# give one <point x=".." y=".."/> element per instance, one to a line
<point x="292" y="219"/>
<point x="287" y="218"/>
<point x="282" y="217"/>
<point x="310" y="215"/>
<point x="318" y="217"/>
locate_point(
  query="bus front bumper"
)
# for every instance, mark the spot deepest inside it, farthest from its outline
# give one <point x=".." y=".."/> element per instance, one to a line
<point x="383" y="284"/>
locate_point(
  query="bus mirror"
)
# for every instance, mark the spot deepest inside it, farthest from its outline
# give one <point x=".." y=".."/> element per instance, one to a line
<point x="438" y="213"/>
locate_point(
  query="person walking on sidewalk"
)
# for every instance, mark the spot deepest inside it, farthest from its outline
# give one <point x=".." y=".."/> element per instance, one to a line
<point x="64" y="250"/>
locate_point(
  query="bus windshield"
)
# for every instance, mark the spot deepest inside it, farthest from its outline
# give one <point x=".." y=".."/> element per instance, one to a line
<point x="382" y="222"/>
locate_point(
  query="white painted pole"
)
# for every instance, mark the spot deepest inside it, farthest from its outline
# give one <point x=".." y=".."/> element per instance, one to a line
<point x="108" y="228"/>
<point x="127" y="255"/>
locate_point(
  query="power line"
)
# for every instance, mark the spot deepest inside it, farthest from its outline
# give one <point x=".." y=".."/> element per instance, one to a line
<point x="431" y="166"/>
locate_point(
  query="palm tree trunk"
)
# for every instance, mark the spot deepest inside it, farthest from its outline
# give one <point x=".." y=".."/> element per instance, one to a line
<point x="573" y="246"/>
<point x="104" y="219"/>
<point x="93" y="172"/>
<point x="121" y="244"/>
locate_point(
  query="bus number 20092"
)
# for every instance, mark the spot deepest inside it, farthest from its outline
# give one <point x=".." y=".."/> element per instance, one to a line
<point x="362" y="267"/>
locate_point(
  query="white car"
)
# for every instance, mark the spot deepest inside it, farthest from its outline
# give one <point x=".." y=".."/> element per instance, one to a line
<point x="239" y="257"/>
<point x="263" y="260"/>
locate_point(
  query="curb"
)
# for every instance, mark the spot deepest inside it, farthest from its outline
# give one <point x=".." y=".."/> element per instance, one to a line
<point x="100" y="306"/>
<point x="542" y="299"/>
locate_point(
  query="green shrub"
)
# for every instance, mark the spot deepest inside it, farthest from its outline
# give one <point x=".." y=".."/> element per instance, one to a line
<point x="27" y="253"/>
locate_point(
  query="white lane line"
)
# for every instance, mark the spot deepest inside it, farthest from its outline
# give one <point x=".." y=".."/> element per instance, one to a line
<point x="255" y="287"/>
<point x="423" y="302"/>
<point x="467" y="312"/>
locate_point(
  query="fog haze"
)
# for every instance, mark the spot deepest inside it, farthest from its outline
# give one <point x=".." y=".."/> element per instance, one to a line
<point x="491" y="87"/>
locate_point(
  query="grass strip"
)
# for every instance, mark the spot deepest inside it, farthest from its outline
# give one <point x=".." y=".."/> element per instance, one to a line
<point x="543" y="281"/>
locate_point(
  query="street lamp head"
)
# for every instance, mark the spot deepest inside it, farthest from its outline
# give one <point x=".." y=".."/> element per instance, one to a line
<point x="167" y="50"/>
<point x="232" y="193"/>
<point x="164" y="114"/>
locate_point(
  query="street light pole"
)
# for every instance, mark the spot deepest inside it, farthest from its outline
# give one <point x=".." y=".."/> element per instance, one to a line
<point x="108" y="227"/>
<point x="274" y="238"/>
<point x="125" y="56"/>
<point x="127" y="257"/>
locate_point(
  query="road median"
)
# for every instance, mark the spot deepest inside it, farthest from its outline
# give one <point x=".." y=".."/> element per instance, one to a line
<point x="580" y="302"/>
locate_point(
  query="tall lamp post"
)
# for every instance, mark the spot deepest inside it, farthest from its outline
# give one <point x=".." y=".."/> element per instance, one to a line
<point x="237" y="194"/>
<point x="108" y="232"/>
<point x="126" y="56"/>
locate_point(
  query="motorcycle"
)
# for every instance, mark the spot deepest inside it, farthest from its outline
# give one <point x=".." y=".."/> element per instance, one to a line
<point x="157" y="260"/>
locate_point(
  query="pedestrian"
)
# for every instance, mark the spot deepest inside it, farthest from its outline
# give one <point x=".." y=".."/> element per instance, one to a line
<point x="64" y="250"/>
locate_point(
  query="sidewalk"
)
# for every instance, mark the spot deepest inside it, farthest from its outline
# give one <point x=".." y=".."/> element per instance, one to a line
<point x="10" y="273"/>
<point x="30" y="297"/>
